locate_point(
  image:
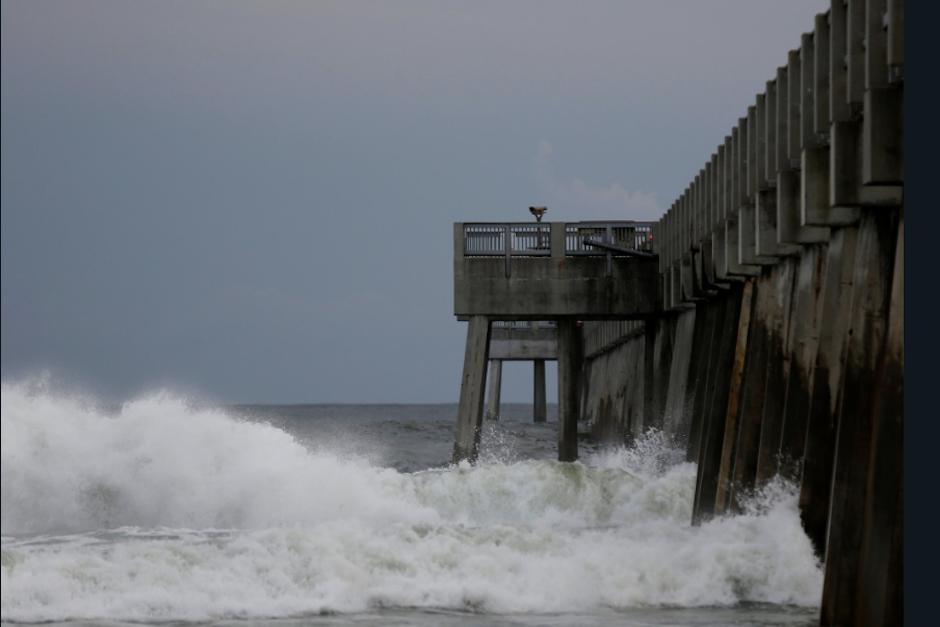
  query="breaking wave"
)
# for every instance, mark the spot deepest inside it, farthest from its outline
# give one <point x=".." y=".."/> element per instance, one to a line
<point x="164" y="511"/>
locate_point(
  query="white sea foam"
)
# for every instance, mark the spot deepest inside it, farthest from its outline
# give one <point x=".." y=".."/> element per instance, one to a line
<point x="165" y="512"/>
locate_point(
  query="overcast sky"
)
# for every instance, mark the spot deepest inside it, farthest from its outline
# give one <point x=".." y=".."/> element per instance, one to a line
<point x="252" y="201"/>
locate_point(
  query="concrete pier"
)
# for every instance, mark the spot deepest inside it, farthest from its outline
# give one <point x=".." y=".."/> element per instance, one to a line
<point x="770" y="341"/>
<point x="539" y="282"/>
<point x="496" y="382"/>
<point x="524" y="271"/>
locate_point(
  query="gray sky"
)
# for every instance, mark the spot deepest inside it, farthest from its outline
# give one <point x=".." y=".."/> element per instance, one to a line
<point x="252" y="200"/>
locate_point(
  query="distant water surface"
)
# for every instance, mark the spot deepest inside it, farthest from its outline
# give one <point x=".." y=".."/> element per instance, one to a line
<point x="164" y="512"/>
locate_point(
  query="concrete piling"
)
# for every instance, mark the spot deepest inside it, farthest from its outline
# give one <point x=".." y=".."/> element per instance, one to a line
<point x="825" y="393"/>
<point x="733" y="412"/>
<point x="496" y="381"/>
<point x="470" y="408"/>
<point x="717" y="385"/>
<point x="776" y="374"/>
<point x="570" y="356"/>
<point x="802" y="346"/>
<point x="870" y="305"/>
<point x="538" y="391"/>
<point x="882" y="547"/>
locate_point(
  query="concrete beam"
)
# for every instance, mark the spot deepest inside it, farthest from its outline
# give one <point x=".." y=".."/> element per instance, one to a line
<point x="839" y="110"/>
<point x="523" y="344"/>
<point x="815" y="209"/>
<point x="821" y="65"/>
<point x="543" y="288"/>
<point x="883" y="137"/>
<point x="895" y="43"/>
<point x="790" y="206"/>
<point x="846" y="168"/>
<point x="738" y="239"/>
<point x="790" y="229"/>
<point x="855" y="53"/>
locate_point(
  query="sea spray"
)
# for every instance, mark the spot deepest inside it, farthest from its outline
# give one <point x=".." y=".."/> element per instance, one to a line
<point x="163" y="511"/>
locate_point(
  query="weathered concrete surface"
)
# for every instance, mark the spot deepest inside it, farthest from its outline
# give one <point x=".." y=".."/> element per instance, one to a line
<point x="810" y="386"/>
<point x="523" y="344"/>
<point x="879" y="599"/>
<point x="819" y="446"/>
<point x="608" y="378"/>
<point x="675" y="369"/>
<point x="634" y="408"/>
<point x="570" y="359"/>
<point x="544" y="288"/>
<point x="496" y="384"/>
<point x="775" y="342"/>
<point x="615" y="398"/>
<point x="778" y="364"/>
<point x="707" y="319"/>
<point x="803" y="344"/>
<point x="871" y="298"/>
<point x="659" y="334"/>
<point x="723" y="489"/>
<point x="744" y="466"/>
<point x="716" y="402"/>
<point x="472" y="383"/>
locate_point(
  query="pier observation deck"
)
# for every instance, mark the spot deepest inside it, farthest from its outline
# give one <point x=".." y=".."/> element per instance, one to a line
<point x="543" y="271"/>
<point x="560" y="273"/>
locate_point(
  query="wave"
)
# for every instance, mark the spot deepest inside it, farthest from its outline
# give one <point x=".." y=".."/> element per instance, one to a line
<point x="164" y="511"/>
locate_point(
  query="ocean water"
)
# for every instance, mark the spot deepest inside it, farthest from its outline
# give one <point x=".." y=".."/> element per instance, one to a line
<point x="163" y="511"/>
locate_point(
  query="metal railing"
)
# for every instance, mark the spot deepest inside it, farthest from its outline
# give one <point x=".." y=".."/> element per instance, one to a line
<point x="524" y="324"/>
<point x="527" y="239"/>
<point x="520" y="239"/>
<point x="581" y="237"/>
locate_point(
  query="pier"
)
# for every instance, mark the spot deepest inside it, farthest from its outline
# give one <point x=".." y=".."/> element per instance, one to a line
<point x="554" y="272"/>
<point x="758" y="322"/>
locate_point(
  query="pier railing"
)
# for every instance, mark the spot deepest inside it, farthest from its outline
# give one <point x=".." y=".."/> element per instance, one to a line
<point x="582" y="238"/>
<point x="525" y="239"/>
<point x="524" y="325"/>
<point x="508" y="238"/>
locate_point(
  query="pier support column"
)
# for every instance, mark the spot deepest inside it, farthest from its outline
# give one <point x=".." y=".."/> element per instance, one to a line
<point x="470" y="410"/>
<point x="496" y="382"/>
<point x="861" y="385"/>
<point x="538" y="391"/>
<point x="570" y="357"/>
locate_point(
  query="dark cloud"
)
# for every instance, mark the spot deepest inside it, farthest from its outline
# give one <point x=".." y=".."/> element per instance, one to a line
<point x="254" y="199"/>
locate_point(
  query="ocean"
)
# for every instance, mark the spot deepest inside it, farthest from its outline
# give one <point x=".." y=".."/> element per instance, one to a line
<point x="167" y="511"/>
